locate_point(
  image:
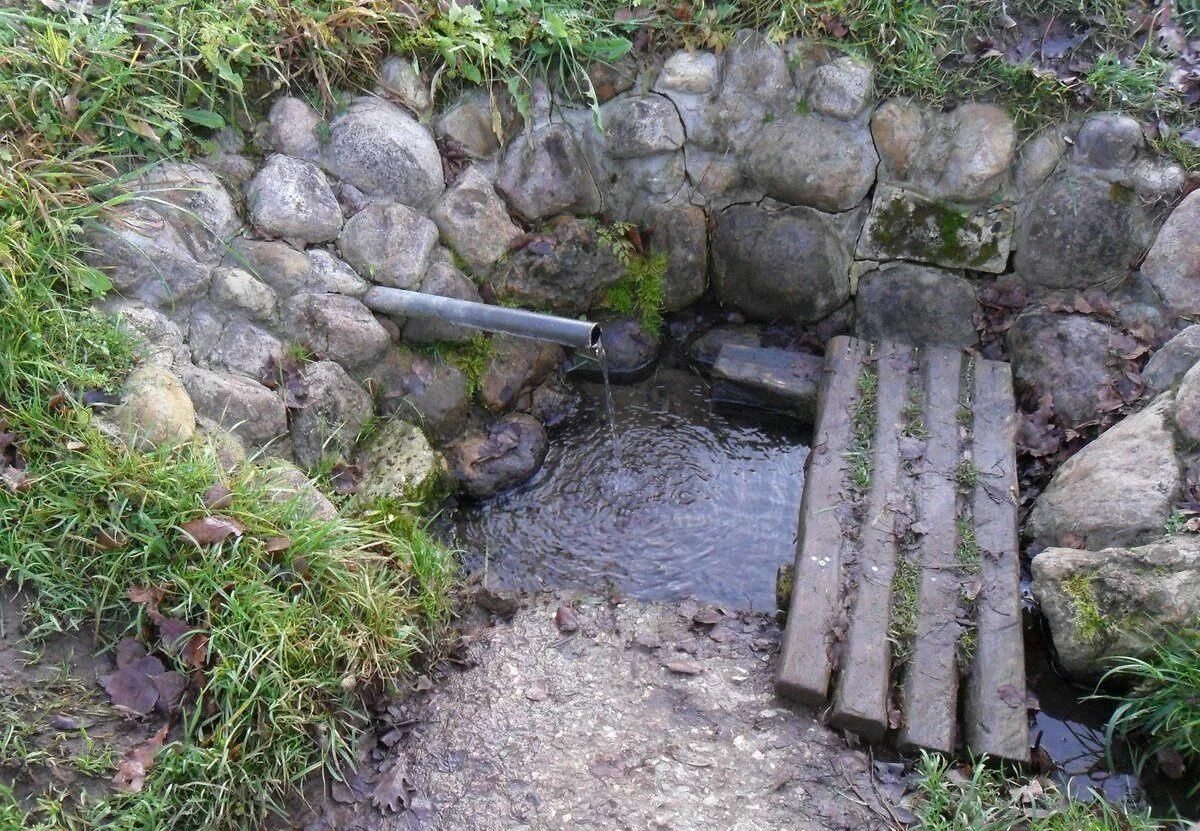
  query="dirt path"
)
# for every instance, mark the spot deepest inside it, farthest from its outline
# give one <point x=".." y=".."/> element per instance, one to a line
<point x="647" y="717"/>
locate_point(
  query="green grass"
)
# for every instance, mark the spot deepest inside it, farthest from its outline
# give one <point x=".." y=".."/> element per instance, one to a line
<point x="863" y="429"/>
<point x="906" y="584"/>
<point x="470" y="357"/>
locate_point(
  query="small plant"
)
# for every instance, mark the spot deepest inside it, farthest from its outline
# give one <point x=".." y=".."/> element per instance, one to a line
<point x="1090" y="623"/>
<point x="913" y="415"/>
<point x="471" y="357"/>
<point x="966" y="475"/>
<point x="641" y="291"/>
<point x="906" y="585"/>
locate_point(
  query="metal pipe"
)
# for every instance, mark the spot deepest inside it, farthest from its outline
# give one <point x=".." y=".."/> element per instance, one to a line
<point x="580" y="334"/>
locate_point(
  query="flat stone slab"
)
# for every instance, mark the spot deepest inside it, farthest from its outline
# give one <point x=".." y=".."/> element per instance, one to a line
<point x="776" y="380"/>
<point x="906" y="588"/>
<point x="904" y="225"/>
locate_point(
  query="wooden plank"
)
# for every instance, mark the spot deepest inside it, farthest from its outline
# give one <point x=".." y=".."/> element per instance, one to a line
<point x="995" y="719"/>
<point x="778" y="380"/>
<point x="805" y="663"/>
<point x="864" y="674"/>
<point x="929" y="694"/>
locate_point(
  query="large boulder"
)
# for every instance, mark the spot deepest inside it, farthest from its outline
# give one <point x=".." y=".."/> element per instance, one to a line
<point x="290" y="198"/>
<point x="638" y="125"/>
<point x="498" y="457"/>
<point x="193" y="200"/>
<point x="336" y="327"/>
<point x="155" y="410"/>
<point x="515" y="367"/>
<point x="1117" y="602"/>
<point x="281" y="481"/>
<point x="1172" y="360"/>
<point x="842" y="88"/>
<point x="790" y="159"/>
<point x="915" y="304"/>
<point x="334" y="411"/>
<point x="243" y="406"/>
<point x="791" y="264"/>
<point x="422" y="390"/>
<point x="383" y="151"/>
<point x="400" y="81"/>
<point x="399" y="465"/>
<point x="1118" y="490"/>
<point x="1187" y="406"/>
<point x="546" y="173"/>
<point x="1173" y="263"/>
<point x="1067" y="356"/>
<point x="756" y="87"/>
<point x="389" y="244"/>
<point x="471" y="122"/>
<point x="473" y="221"/>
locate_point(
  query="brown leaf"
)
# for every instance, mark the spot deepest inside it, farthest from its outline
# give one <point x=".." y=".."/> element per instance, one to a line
<point x="128" y="651"/>
<point x="148" y="596"/>
<point x="213" y="529"/>
<point x="273" y="545"/>
<point x="566" y="619"/>
<point x="393" y="788"/>
<point x="1171" y="763"/>
<point x="170" y="686"/>
<point x="218" y="497"/>
<point x="172" y="630"/>
<point x="131" y="688"/>
<point x="111" y="539"/>
<point x="195" y="652"/>
<point x="685" y="667"/>
<point x="1011" y="696"/>
<point x="131" y="773"/>
<point x="344" y="478"/>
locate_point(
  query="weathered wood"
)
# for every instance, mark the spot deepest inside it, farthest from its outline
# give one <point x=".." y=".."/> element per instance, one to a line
<point x="777" y="380"/>
<point x="994" y="719"/>
<point x="929" y="695"/>
<point x="805" y="663"/>
<point x="864" y="675"/>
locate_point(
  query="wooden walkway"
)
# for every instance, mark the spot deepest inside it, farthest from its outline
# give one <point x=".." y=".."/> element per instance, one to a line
<point x="906" y="591"/>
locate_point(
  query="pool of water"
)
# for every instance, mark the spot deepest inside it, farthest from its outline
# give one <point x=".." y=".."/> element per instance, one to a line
<point x="695" y="503"/>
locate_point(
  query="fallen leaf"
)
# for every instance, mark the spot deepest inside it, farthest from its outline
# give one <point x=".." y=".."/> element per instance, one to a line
<point x="392" y="790"/>
<point x="566" y="619"/>
<point x="685" y="667"/>
<point x="218" y="497"/>
<point x="131" y="772"/>
<point x="1171" y="763"/>
<point x="131" y="687"/>
<point x="1010" y="695"/>
<point x="344" y="478"/>
<point x="273" y="545"/>
<point x="195" y="652"/>
<point x="423" y="683"/>
<point x="111" y="540"/>
<point x="172" y="630"/>
<point x="170" y="686"/>
<point x="128" y="651"/>
<point x="148" y="596"/>
<point x="213" y="529"/>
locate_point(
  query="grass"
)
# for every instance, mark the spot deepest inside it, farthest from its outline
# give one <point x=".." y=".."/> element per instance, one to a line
<point x="470" y="357"/>
<point x="863" y="429"/>
<point x="906" y="584"/>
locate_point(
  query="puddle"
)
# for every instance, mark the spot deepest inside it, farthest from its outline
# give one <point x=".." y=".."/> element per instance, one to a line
<point x="698" y="503"/>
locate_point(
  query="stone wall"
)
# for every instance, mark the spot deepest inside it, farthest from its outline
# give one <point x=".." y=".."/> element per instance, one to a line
<point x="769" y="176"/>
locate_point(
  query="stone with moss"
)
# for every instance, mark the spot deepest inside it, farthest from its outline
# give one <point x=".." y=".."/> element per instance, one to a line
<point x="399" y="465"/>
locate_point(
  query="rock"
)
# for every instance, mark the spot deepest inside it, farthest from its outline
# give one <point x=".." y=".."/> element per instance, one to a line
<point x="277" y="264"/>
<point x="691" y="72"/>
<point x="235" y="289"/>
<point x="398" y="465"/>
<point x="630" y="351"/>
<point x="897" y="127"/>
<point x="1118" y="490"/>
<point x="917" y="305"/>
<point x="903" y="225"/>
<point x="1108" y="140"/>
<point x="554" y="402"/>
<point x="1157" y="180"/>
<point x="401" y="81"/>
<point x="566" y="270"/>
<point x="790" y="159"/>
<point x="335" y="411"/>
<point x="421" y="390"/>
<point x="1038" y="158"/>
<point x="780" y="265"/>
<point x="473" y="220"/>
<point x="632" y="187"/>
<point x="336" y="327"/>
<point x="468" y="123"/>
<point x="389" y="244"/>
<point x="330" y="275"/>
<point x="546" y="173"/>
<point x="193" y="200"/>
<point x="284" y="482"/>
<point x="1173" y="359"/>
<point x="778" y="381"/>
<point x="230" y="341"/>
<point x="842" y="88"/>
<point x="245" y="407"/>
<point x="290" y="198"/>
<point x="516" y="365"/>
<point x="1187" y="406"/>
<point x="756" y="88"/>
<point x="227" y="449"/>
<point x="1078" y="232"/>
<point x="293" y="129"/>
<point x="155" y="410"/>
<point x="1067" y="356"/>
<point x="1173" y="263"/>
<point x="501" y="456"/>
<point x="641" y="125"/>
<point x="703" y="351"/>
<point x="681" y="232"/>
<point x="443" y="280"/>
<point x="383" y="151"/>
<point x="1118" y="602"/>
<point x="159" y="341"/>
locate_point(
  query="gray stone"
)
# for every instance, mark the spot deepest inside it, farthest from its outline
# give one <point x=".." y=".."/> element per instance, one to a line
<point x="399" y="465"/>
<point x="383" y="151"/>
<point x="290" y="198"/>
<point x="335" y="410"/>
<point x="554" y="402"/>
<point x="443" y="280"/>
<point x="422" y="390"/>
<point x="1173" y="263"/>
<point x="903" y="225"/>
<point x="1078" y="232"/>
<point x="245" y="407"/>
<point x="336" y="327"/>
<point x="690" y="72"/>
<point x="293" y="128"/>
<point x="389" y="244"/>
<point x="226" y="448"/>
<point x="567" y="270"/>
<point x="515" y="367"/>
<point x="611" y="79"/>
<point x="282" y="481"/>
<point x="755" y="88"/>
<point x="1065" y="356"/>
<point x="401" y="81"/>
<point x="718" y="180"/>
<point x="705" y="350"/>
<point x="155" y="410"/>
<point x="842" y="88"/>
<point x="471" y="122"/>
<point x="1118" y="602"/>
<point x="333" y="276"/>
<point x="1108" y="140"/>
<point x="1157" y="180"/>
<point x="1038" y="158"/>
<point x="159" y="341"/>
<point x="681" y="232"/>
<point x="473" y="220"/>
<point x="1118" y="490"/>
<point x="918" y="305"/>
<point x="235" y="289"/>
<point x="630" y="351"/>
<point x="898" y="127"/>
<point x="633" y="187"/>
<point x="277" y="264"/>
<point x="790" y="159"/>
<point x="230" y="341"/>
<point x="1187" y="406"/>
<point x="1173" y="359"/>
<point x="780" y="265"/>
<point x="546" y="173"/>
<point x="641" y="125"/>
<point x="193" y="200"/>
<point x="501" y="456"/>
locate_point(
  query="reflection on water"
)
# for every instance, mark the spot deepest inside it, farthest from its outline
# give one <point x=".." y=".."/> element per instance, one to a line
<point x="698" y="504"/>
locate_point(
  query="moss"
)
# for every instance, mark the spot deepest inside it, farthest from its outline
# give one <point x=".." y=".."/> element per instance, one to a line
<point x="471" y="358"/>
<point x="1090" y="624"/>
<point x="785" y="578"/>
<point x="933" y="229"/>
<point x="1121" y="194"/>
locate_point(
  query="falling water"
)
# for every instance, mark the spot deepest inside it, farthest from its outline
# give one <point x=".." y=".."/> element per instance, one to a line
<point x="609" y="410"/>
